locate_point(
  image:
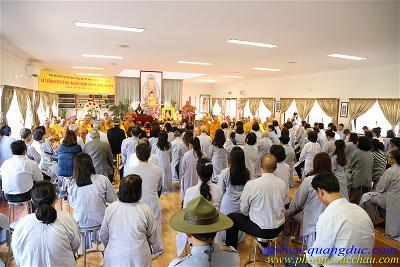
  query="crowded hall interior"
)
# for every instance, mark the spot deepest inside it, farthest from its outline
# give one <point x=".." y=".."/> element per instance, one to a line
<point x="200" y="133"/>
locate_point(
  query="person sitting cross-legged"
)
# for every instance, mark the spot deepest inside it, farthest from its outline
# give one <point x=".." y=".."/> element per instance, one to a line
<point x="262" y="205"/>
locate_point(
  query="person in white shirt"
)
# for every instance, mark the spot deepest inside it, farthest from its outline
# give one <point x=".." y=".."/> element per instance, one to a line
<point x="255" y="128"/>
<point x="218" y="154"/>
<point x="162" y="150"/>
<point x="103" y="136"/>
<point x="47" y="237"/>
<point x="342" y="226"/>
<point x="307" y="155"/>
<point x="262" y="206"/>
<point x="5" y="142"/>
<point x="128" y="146"/>
<point x="205" y="140"/>
<point x="134" y="161"/>
<point x="251" y="153"/>
<point x="31" y="153"/>
<point x="290" y="156"/>
<point x="175" y="155"/>
<point x="329" y="145"/>
<point x="340" y="131"/>
<point x="282" y="168"/>
<point x="275" y="123"/>
<point x="151" y="189"/>
<point x="18" y="174"/>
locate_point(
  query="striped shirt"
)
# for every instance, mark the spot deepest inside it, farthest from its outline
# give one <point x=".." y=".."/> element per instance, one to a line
<point x="379" y="166"/>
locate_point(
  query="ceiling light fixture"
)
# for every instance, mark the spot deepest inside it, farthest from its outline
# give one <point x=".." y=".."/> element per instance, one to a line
<point x="241" y="42"/>
<point x="206" y="80"/>
<point x="346" y="57"/>
<point x="87" y="68"/>
<point x="232" y="76"/>
<point x="101" y="56"/>
<point x="108" y="27"/>
<point x="194" y="63"/>
<point x="89" y="74"/>
<point x="267" y="69"/>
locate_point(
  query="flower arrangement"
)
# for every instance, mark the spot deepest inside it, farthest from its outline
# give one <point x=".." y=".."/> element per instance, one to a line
<point x="92" y="108"/>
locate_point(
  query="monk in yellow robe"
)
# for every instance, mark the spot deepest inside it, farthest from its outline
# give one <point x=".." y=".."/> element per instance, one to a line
<point x="214" y="126"/>
<point x="86" y="126"/>
<point x="51" y="134"/>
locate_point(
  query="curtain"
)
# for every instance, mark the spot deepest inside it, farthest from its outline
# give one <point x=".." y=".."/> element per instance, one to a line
<point x="171" y="92"/>
<point x="35" y="106"/>
<point x="30" y="95"/>
<point x="213" y="101"/>
<point x="268" y="103"/>
<point x="6" y="98"/>
<point x="22" y="102"/>
<point x="127" y="89"/>
<point x="254" y="104"/>
<point x="304" y="106"/>
<point x="391" y="110"/>
<point x="358" y="106"/>
<point x="331" y="107"/>
<point x="53" y="100"/>
<point x="220" y="103"/>
<point x="285" y="104"/>
<point x="242" y="104"/>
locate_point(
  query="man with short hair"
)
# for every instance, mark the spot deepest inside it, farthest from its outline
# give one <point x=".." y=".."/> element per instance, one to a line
<point x="128" y="146"/>
<point x="18" y="174"/>
<point x="100" y="152"/>
<point x="262" y="205"/>
<point x="329" y="146"/>
<point x="5" y="142"/>
<point x="31" y="153"/>
<point x="201" y="221"/>
<point x="205" y="140"/>
<point x="103" y="136"/>
<point x="342" y="226"/>
<point x="115" y="137"/>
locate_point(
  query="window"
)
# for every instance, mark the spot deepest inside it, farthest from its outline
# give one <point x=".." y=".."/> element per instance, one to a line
<point x="289" y="113"/>
<point x="231" y="107"/>
<point x="318" y="115"/>
<point x="14" y="118"/>
<point x="374" y="118"/>
<point x="263" y="112"/>
<point x="216" y="109"/>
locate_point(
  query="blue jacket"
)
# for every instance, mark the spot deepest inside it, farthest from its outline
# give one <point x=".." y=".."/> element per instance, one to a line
<point x="66" y="156"/>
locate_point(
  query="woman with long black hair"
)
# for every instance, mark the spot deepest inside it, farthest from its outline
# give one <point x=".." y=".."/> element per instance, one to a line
<point x="188" y="171"/>
<point x="162" y="150"/>
<point x="218" y="154"/>
<point x="339" y="166"/>
<point x="47" y="237"/>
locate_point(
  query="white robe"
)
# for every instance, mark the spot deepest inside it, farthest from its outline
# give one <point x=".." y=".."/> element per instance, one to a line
<point x="188" y="172"/>
<point x="127" y="233"/>
<point x="151" y="184"/>
<point x="37" y="244"/>
<point x="250" y="153"/>
<point x="329" y="147"/>
<point x="134" y="161"/>
<point x="89" y="201"/>
<point x="47" y="165"/>
<point x="164" y="159"/>
<point x="5" y="148"/>
<point x="307" y="154"/>
<point x="205" y="143"/>
<point x="219" y="160"/>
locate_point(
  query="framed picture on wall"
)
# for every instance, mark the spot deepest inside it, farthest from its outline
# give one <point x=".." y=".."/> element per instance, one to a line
<point x="204" y="103"/>
<point x="278" y="106"/>
<point x="150" y="88"/>
<point x="344" y="109"/>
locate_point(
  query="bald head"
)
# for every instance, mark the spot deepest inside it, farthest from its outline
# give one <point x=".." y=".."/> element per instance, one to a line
<point x="268" y="163"/>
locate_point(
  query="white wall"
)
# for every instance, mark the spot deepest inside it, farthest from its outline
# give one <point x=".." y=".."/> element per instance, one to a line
<point x="13" y="72"/>
<point x="371" y="82"/>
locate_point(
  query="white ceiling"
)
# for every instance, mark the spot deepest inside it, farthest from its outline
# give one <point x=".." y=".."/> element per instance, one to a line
<point x="197" y="31"/>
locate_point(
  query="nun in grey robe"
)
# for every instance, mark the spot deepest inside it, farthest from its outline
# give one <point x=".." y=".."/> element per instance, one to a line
<point x="188" y="172"/>
<point x="164" y="159"/>
<point x="340" y="173"/>
<point x="305" y="199"/>
<point x="251" y="154"/>
<point x="290" y="160"/>
<point x="219" y="160"/>
<point x="176" y="156"/>
<point x="151" y="184"/>
<point x="387" y="198"/>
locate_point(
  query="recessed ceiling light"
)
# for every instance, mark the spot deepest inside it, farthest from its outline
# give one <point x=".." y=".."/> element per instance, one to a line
<point x="235" y="41"/>
<point x="267" y="69"/>
<point x="206" y="80"/>
<point x="89" y="74"/>
<point x="194" y="63"/>
<point x="232" y="76"/>
<point x="292" y="62"/>
<point x="113" y="63"/>
<point x="124" y="46"/>
<point x="346" y="57"/>
<point x="101" y="56"/>
<point x="108" y="27"/>
<point x="87" y="68"/>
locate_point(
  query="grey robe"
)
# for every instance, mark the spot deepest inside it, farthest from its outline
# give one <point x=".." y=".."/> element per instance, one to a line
<point x="340" y="173"/>
<point x="250" y="153"/>
<point x="164" y="159"/>
<point x="360" y="169"/>
<point x="231" y="193"/>
<point x="219" y="160"/>
<point x="290" y="160"/>
<point x="101" y="155"/>
<point x="176" y="156"/>
<point x="188" y="172"/>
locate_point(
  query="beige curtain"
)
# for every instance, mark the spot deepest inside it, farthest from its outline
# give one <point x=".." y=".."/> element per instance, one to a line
<point x="285" y="104"/>
<point x="22" y="102"/>
<point x="268" y="103"/>
<point x="45" y="97"/>
<point x="331" y="107"/>
<point x="254" y="104"/>
<point x="220" y="103"/>
<point x="242" y="104"/>
<point x="213" y="101"/>
<point x="35" y="106"/>
<point x="6" y="98"/>
<point x="391" y="110"/>
<point x="304" y="106"/>
<point x="358" y="106"/>
<point x="53" y="100"/>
